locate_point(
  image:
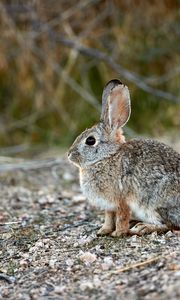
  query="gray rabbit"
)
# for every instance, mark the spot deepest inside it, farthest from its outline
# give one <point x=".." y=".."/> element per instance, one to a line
<point x="138" y="179"/>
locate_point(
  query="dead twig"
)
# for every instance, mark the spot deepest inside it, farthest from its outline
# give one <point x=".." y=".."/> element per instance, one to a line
<point x="10" y="223"/>
<point x="139" y="264"/>
<point x="142" y="264"/>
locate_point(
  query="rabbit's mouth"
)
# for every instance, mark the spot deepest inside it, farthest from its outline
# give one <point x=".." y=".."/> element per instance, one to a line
<point x="73" y="156"/>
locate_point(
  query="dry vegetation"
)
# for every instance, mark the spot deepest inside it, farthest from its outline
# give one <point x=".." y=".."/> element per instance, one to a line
<point x="56" y="56"/>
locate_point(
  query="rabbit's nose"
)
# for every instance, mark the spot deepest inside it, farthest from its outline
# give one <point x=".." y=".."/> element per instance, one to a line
<point x="69" y="153"/>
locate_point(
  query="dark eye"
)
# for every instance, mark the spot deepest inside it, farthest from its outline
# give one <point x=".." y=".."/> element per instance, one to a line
<point x="90" y="141"/>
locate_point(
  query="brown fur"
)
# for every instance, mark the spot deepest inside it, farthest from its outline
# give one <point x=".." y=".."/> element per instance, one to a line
<point x="118" y="103"/>
<point x="122" y="219"/>
<point x="119" y="137"/>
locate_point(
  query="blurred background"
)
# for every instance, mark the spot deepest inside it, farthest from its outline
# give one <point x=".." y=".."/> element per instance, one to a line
<point x="56" y="57"/>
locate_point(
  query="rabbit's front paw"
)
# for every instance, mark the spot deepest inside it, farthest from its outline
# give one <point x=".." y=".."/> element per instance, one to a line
<point x="104" y="231"/>
<point x="117" y="233"/>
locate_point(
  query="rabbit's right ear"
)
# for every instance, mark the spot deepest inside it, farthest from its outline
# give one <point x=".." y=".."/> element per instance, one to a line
<point x="116" y="105"/>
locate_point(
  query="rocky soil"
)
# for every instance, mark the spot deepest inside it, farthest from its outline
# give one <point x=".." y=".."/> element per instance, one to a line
<point x="49" y="248"/>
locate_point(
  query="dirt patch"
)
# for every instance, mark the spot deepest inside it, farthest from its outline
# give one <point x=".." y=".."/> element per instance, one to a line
<point x="49" y="248"/>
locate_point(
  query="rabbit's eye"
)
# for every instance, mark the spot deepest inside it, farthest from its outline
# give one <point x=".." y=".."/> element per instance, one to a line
<point x="90" y="141"/>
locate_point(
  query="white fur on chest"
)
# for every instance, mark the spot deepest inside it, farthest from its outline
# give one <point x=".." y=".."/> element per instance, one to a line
<point x="143" y="214"/>
<point x="100" y="202"/>
<point x="94" y="197"/>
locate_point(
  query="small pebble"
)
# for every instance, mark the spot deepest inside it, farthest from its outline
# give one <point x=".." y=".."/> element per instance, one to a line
<point x="86" y="285"/>
<point x="87" y="257"/>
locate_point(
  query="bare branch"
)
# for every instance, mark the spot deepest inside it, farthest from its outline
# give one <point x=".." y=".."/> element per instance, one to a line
<point x="156" y="80"/>
<point x="69" y="80"/>
<point x="132" y="77"/>
<point x="30" y="165"/>
<point x="139" y="81"/>
<point x="14" y="149"/>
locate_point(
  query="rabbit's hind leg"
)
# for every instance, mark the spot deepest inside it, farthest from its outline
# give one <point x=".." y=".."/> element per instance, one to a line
<point x="145" y="228"/>
<point x="109" y="223"/>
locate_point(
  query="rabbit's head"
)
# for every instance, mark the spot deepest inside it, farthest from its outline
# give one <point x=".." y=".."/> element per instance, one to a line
<point x="105" y="138"/>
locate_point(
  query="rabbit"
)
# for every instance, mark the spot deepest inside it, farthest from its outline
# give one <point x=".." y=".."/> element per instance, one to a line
<point x="136" y="179"/>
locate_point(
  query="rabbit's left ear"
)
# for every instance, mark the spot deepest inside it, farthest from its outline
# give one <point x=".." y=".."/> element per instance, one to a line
<point x="119" y="106"/>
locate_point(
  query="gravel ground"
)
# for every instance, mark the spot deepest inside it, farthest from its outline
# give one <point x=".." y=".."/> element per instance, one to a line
<point x="49" y="248"/>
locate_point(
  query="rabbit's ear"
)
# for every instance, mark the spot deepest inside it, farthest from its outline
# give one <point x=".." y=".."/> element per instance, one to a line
<point x="119" y="106"/>
<point x="105" y="99"/>
<point x="116" y="106"/>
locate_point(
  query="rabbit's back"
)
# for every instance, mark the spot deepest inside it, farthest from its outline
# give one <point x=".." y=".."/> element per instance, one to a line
<point x="151" y="164"/>
<point x="151" y="154"/>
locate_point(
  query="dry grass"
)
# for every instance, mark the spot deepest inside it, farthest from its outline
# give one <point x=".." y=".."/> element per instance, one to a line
<point x="49" y="85"/>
